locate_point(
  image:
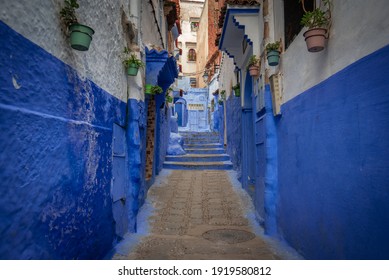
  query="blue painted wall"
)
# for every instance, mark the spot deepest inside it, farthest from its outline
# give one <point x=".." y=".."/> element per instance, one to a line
<point x="56" y="156"/>
<point x="266" y="168"/>
<point x="220" y="116"/>
<point x="136" y="141"/>
<point x="234" y="132"/>
<point x="334" y="164"/>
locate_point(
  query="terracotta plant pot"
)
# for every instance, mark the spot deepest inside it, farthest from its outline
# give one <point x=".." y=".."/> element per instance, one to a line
<point x="315" y="39"/>
<point x="80" y="36"/>
<point x="273" y="58"/>
<point x="132" y="70"/>
<point x="254" y="70"/>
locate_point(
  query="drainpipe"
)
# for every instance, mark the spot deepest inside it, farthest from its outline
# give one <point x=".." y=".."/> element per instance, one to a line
<point x="135" y="87"/>
<point x="266" y="34"/>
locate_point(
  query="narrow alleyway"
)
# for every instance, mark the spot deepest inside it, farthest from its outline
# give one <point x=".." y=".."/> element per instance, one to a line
<point x="198" y="214"/>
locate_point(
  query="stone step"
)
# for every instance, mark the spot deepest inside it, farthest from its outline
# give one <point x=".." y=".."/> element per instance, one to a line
<point x="203" y="146"/>
<point x="185" y="133"/>
<point x="200" y="141"/>
<point x="214" y="139"/>
<point x="198" y="158"/>
<point x="205" y="151"/>
<point x="220" y="165"/>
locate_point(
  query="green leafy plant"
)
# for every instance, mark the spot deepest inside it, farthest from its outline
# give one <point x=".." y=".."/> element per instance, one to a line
<point x="319" y="17"/>
<point x="130" y="58"/>
<point x="156" y="89"/>
<point x="273" y="46"/>
<point x="236" y="87"/>
<point x="68" y="12"/>
<point x="253" y="60"/>
<point x="169" y="99"/>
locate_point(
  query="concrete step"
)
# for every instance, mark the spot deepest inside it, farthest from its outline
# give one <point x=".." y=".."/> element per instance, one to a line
<point x="220" y="165"/>
<point x="205" y="151"/>
<point x="203" y="146"/>
<point x="198" y="158"/>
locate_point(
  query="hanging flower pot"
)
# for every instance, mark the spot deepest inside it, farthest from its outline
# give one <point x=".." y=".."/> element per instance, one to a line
<point x="148" y="88"/>
<point x="131" y="62"/>
<point x="80" y="36"/>
<point x="273" y="58"/>
<point x="236" y="89"/>
<point x="317" y="22"/>
<point x="253" y="66"/>
<point x="254" y="71"/>
<point x="132" y="69"/>
<point x="169" y="99"/>
<point x="315" y="39"/>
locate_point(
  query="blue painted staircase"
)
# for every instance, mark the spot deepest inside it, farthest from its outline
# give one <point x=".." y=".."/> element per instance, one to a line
<point x="203" y="152"/>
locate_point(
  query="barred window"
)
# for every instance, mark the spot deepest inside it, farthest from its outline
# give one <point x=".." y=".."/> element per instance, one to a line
<point x="192" y="55"/>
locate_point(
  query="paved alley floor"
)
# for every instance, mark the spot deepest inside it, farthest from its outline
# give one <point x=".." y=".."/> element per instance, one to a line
<point x="197" y="215"/>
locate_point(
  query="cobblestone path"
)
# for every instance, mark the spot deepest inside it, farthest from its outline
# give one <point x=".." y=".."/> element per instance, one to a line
<point x="189" y="206"/>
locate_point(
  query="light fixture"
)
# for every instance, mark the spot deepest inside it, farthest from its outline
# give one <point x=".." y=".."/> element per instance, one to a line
<point x="205" y="76"/>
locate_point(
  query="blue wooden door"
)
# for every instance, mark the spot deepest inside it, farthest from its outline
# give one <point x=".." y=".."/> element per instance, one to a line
<point x="180" y="113"/>
<point x="119" y="181"/>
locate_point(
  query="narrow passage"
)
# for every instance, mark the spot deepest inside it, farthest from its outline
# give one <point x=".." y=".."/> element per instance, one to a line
<point x="198" y="214"/>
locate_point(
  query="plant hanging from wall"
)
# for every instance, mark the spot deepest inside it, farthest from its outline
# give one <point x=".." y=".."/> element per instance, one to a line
<point x="236" y="89"/>
<point x="150" y="89"/>
<point x="253" y="66"/>
<point x="168" y="98"/>
<point x="318" y="23"/>
<point x="131" y="62"/>
<point x="222" y="97"/>
<point x="80" y="35"/>
<point x="273" y="53"/>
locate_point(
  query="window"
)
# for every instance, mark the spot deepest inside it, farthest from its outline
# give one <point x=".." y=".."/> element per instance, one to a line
<point x="194" y="24"/>
<point x="193" y="82"/>
<point x="293" y="12"/>
<point x="192" y="55"/>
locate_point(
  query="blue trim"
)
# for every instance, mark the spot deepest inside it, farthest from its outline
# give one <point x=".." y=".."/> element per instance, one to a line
<point x="227" y="17"/>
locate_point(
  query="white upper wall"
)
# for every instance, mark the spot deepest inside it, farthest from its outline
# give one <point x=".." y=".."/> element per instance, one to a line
<point x="359" y="28"/>
<point x="188" y="10"/>
<point x="39" y="21"/>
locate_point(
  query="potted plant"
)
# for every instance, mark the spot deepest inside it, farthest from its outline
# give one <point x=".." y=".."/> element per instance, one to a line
<point x="156" y="89"/>
<point x="236" y="89"/>
<point x="131" y="62"/>
<point x="317" y="22"/>
<point x="253" y="66"/>
<point x="148" y="88"/>
<point x="80" y="35"/>
<point x="168" y="98"/>
<point x="273" y="53"/>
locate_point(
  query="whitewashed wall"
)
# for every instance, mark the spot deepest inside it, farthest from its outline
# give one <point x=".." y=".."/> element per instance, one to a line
<point x="227" y="75"/>
<point x="358" y="28"/>
<point x="149" y="30"/>
<point x="202" y="45"/>
<point x="188" y="9"/>
<point x="39" y="21"/>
